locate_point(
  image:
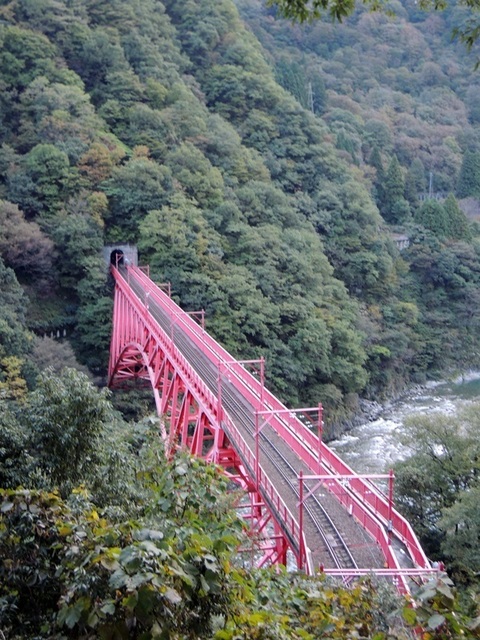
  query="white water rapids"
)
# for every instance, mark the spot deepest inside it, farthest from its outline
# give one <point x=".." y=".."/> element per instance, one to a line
<point x="375" y="446"/>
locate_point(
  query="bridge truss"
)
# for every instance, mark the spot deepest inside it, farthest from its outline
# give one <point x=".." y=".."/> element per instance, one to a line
<point x="201" y="394"/>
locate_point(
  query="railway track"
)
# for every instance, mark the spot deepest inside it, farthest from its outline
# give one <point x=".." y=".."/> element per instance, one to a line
<point x="325" y="521"/>
<point x="332" y="539"/>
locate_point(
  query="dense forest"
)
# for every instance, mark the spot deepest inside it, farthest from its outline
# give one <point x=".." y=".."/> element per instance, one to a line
<point x="113" y="542"/>
<point x="315" y="189"/>
<point x="174" y="128"/>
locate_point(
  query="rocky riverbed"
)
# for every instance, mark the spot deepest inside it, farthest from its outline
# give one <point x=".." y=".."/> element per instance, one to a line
<point x="375" y="445"/>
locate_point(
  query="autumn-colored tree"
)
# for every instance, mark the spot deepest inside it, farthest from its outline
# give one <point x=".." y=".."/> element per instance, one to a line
<point x="12" y="385"/>
<point x="23" y="245"/>
<point x="97" y="163"/>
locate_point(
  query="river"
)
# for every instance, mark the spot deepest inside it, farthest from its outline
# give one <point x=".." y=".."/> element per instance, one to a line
<point x="375" y="446"/>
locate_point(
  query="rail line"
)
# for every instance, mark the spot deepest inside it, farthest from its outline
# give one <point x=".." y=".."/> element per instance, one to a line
<point x="333" y="540"/>
<point x="219" y="410"/>
<point x="329" y="545"/>
<point x="277" y="463"/>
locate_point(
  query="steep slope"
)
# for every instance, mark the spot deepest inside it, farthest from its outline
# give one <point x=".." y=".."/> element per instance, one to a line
<point x="163" y="124"/>
<point x="396" y="83"/>
<point x="400" y="99"/>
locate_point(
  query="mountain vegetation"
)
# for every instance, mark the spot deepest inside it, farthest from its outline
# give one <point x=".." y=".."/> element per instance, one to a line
<point x="172" y="127"/>
<point x="305" y="10"/>
<point x="315" y="189"/>
<point x="437" y="488"/>
<point x="112" y="541"/>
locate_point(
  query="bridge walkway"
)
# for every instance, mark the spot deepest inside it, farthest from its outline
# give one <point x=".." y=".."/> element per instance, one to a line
<point x="345" y="521"/>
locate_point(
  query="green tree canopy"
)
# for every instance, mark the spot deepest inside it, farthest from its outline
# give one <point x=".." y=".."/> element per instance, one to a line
<point x="13" y="335"/>
<point x="395" y="208"/>
<point x="134" y="189"/>
<point x="309" y="10"/>
<point x="457" y="222"/>
<point x="433" y="216"/>
<point x="444" y="465"/>
<point x="66" y="418"/>
<point x="469" y="177"/>
<point x="42" y="181"/>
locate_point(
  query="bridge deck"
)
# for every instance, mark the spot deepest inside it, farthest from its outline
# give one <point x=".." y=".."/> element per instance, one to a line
<point x="344" y="521"/>
<point x="336" y="539"/>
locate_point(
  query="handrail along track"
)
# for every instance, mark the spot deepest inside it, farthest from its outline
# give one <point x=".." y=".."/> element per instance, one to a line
<point x="154" y="315"/>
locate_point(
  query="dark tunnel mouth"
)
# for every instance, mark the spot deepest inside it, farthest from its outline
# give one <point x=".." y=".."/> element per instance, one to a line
<point x="117" y="257"/>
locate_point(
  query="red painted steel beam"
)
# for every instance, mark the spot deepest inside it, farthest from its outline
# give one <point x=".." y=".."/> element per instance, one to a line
<point x="142" y="350"/>
<point x="319" y="457"/>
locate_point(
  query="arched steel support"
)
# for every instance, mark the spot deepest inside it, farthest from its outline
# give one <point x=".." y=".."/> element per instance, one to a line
<point x="190" y="413"/>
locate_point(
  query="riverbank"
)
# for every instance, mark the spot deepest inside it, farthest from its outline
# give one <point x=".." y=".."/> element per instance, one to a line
<point x="374" y="445"/>
<point x="369" y="411"/>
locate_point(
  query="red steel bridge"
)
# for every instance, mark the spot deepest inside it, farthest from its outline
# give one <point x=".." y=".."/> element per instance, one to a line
<point x="304" y="505"/>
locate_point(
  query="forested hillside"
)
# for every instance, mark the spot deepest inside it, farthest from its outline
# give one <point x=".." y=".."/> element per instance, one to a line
<point x="302" y="185"/>
<point x="265" y="181"/>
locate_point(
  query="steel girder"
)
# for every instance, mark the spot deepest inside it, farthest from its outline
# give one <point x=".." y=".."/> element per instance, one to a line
<point x="193" y="417"/>
<point x="189" y="411"/>
<point x="139" y="351"/>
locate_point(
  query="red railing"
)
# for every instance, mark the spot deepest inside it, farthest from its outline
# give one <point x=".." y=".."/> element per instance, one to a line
<point x="192" y="381"/>
<point x="366" y="503"/>
<point x="206" y="399"/>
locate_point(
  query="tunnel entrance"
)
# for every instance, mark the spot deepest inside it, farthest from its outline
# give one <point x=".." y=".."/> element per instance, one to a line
<point x="124" y="253"/>
<point x="117" y="258"/>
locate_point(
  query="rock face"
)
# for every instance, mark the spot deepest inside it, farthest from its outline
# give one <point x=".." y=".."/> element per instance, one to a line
<point x="370" y="410"/>
<point x="367" y="411"/>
